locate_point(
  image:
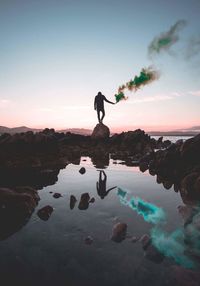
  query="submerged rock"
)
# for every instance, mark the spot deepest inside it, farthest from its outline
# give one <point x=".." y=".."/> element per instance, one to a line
<point x="82" y="170"/>
<point x="84" y="201"/>
<point x="57" y="195"/>
<point x="119" y="232"/>
<point x="73" y="201"/>
<point x="45" y="212"/>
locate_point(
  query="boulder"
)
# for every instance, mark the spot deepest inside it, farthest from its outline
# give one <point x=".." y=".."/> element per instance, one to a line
<point x="100" y="131"/>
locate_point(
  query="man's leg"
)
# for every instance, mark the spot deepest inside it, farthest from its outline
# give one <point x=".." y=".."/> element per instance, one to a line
<point x="103" y="115"/>
<point x="98" y="115"/>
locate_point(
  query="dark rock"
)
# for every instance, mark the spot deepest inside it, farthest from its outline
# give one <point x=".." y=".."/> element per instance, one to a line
<point x="16" y="208"/>
<point x="84" y="201"/>
<point x="45" y="212"/>
<point x="73" y="201"/>
<point x="57" y="195"/>
<point x="119" y="232"/>
<point x="145" y="241"/>
<point x="82" y="170"/>
<point x="101" y="131"/>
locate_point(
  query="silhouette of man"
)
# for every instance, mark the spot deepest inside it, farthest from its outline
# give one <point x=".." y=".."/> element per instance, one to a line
<point x="99" y="105"/>
<point x="101" y="185"/>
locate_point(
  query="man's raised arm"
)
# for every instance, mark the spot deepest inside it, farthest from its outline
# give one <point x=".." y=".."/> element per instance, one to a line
<point x="108" y="100"/>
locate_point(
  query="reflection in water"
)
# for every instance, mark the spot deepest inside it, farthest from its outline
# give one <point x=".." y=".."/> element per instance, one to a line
<point x="150" y="212"/>
<point x="73" y="201"/>
<point x="101" y="185"/>
<point x="183" y="244"/>
<point x="100" y="159"/>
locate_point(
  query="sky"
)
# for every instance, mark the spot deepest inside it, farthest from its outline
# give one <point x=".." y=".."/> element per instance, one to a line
<point x="56" y="55"/>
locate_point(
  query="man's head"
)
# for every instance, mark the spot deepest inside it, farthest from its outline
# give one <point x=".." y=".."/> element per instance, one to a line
<point x="99" y="93"/>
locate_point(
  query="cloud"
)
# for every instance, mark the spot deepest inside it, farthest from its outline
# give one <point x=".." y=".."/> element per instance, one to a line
<point x="155" y="98"/>
<point x="59" y="108"/>
<point x="196" y="92"/>
<point x="4" y="103"/>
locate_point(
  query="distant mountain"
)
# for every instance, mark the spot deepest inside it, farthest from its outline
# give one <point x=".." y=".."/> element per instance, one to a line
<point x="4" y="129"/>
<point x="81" y="131"/>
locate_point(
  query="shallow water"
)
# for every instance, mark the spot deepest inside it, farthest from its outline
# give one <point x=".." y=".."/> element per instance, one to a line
<point x="54" y="251"/>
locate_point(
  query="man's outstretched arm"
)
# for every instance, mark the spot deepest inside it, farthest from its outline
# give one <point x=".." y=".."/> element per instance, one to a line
<point x="108" y="100"/>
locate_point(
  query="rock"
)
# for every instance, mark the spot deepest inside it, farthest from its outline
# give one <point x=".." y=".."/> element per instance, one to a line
<point x="57" y="195"/>
<point x="145" y="241"/>
<point x="92" y="200"/>
<point x="100" y="131"/>
<point x="45" y="212"/>
<point x="84" y="201"/>
<point x="16" y="208"/>
<point x="88" y="240"/>
<point x="73" y="201"/>
<point x="119" y="232"/>
<point x="82" y="170"/>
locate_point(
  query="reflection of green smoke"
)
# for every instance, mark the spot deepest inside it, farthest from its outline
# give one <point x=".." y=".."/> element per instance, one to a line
<point x="146" y="76"/>
<point x="173" y="245"/>
<point x="150" y="212"/>
<point x="166" y="39"/>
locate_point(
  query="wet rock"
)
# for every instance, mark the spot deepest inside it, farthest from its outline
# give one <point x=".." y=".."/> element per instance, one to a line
<point x="82" y="170"/>
<point x="45" y="213"/>
<point x="16" y="208"/>
<point x="153" y="254"/>
<point x="57" y="195"/>
<point x="119" y="232"/>
<point x="73" y="201"/>
<point x="92" y="200"/>
<point x="143" y="166"/>
<point x="100" y="131"/>
<point x="184" y="277"/>
<point x="88" y="240"/>
<point x="84" y="201"/>
<point x="145" y="241"/>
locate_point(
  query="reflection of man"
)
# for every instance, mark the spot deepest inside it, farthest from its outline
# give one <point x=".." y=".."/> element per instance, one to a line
<point x="101" y="185"/>
<point x="99" y="105"/>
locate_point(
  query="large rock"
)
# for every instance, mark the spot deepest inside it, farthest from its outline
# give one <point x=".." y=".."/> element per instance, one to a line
<point x="101" y="131"/>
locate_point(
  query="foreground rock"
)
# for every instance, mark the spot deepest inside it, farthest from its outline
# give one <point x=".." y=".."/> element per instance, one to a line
<point x="119" y="232"/>
<point x="16" y="207"/>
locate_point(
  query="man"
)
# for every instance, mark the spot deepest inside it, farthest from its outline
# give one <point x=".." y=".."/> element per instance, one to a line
<point x="99" y="105"/>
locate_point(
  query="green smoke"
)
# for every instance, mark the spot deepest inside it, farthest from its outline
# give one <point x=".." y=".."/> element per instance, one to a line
<point x="166" y="39"/>
<point x="146" y="76"/>
<point x="177" y="245"/>
<point x="120" y="96"/>
<point x="150" y="212"/>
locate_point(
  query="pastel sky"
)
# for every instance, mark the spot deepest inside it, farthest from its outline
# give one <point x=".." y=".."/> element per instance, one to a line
<point x="56" y="55"/>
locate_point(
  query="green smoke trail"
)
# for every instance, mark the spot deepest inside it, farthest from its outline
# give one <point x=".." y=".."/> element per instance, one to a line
<point x="173" y="245"/>
<point x="150" y="212"/>
<point x="146" y="76"/>
<point x="166" y="39"/>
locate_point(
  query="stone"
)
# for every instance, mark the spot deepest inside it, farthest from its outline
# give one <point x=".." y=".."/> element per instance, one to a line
<point x="100" y="132"/>
<point x="82" y="170"/>
<point x="57" y="195"/>
<point x="119" y="232"/>
<point x="45" y="213"/>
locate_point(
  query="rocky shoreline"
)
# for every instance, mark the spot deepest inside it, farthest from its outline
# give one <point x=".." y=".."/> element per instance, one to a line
<point x="30" y="161"/>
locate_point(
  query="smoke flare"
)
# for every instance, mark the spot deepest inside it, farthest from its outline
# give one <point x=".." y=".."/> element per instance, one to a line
<point x="146" y="76"/>
<point x="166" y="39"/>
